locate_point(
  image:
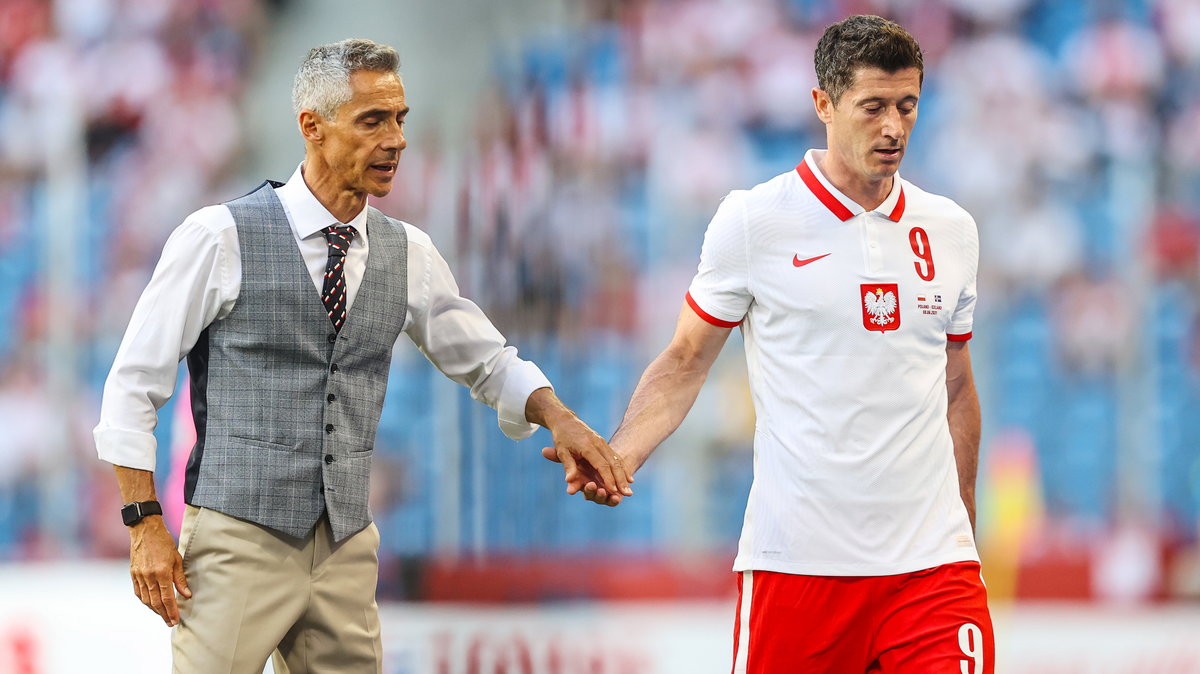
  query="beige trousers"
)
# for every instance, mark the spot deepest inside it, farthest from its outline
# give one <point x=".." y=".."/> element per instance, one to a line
<point x="257" y="594"/>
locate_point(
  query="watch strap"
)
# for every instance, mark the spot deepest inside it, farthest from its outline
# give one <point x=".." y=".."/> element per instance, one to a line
<point x="132" y="513"/>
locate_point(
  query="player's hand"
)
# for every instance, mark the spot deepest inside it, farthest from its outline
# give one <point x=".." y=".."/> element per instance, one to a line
<point x="594" y="491"/>
<point x="156" y="568"/>
<point x="587" y="459"/>
<point x="586" y="479"/>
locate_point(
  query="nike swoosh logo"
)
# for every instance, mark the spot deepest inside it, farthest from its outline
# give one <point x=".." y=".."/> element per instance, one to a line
<point x="800" y="263"/>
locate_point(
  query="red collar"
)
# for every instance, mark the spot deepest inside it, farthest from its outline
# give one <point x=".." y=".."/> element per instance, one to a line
<point x="832" y="203"/>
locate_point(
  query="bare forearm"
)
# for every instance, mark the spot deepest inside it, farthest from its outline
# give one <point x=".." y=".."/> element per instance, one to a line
<point x="663" y="397"/>
<point x="545" y="409"/>
<point x="964" y="419"/>
<point x="135" y="485"/>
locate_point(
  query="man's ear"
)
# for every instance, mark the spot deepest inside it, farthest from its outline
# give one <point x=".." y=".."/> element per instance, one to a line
<point x="311" y="126"/>
<point x="823" y="104"/>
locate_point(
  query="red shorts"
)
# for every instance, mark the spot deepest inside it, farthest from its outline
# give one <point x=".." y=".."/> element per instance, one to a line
<point x="934" y="621"/>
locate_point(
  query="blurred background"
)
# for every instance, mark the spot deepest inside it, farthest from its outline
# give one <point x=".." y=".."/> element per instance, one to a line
<point x="566" y="157"/>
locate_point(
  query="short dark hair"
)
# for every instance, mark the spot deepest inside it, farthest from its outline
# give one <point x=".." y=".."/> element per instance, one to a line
<point x="863" y="41"/>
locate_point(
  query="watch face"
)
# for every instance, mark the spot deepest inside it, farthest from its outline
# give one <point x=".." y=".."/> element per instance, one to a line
<point x="132" y="513"/>
<point x="129" y="514"/>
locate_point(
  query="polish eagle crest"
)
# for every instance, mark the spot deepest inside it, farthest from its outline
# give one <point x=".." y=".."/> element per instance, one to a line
<point x="880" y="305"/>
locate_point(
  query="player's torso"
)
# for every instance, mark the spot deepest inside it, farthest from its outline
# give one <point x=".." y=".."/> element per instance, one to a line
<point x="846" y="345"/>
<point x="866" y="285"/>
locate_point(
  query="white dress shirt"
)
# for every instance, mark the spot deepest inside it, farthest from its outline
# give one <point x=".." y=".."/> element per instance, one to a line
<point x="197" y="282"/>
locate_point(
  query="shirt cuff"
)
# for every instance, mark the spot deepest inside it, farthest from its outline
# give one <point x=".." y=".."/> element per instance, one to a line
<point x="522" y="379"/>
<point x="959" y="333"/>
<point x="131" y="449"/>
<point x="719" y="322"/>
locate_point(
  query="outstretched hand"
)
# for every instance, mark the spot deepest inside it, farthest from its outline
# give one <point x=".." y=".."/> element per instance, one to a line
<point x="587" y="459"/>
<point x="583" y="476"/>
<point x="589" y="464"/>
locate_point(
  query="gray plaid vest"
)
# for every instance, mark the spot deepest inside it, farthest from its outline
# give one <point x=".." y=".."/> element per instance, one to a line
<point x="285" y="409"/>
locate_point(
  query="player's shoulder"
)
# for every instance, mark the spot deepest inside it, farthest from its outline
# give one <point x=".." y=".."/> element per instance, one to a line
<point x="934" y="208"/>
<point x="773" y="189"/>
<point x="765" y="198"/>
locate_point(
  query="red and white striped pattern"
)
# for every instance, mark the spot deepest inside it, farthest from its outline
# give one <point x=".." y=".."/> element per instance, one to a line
<point x="334" y="292"/>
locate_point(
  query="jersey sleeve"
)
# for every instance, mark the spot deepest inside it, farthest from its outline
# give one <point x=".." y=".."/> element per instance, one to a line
<point x="720" y="292"/>
<point x="963" y="318"/>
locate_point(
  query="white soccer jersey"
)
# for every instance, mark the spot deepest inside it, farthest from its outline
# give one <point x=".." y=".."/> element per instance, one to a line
<point x="845" y="315"/>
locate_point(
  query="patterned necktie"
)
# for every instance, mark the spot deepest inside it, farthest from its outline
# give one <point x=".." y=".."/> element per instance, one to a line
<point x="333" y="294"/>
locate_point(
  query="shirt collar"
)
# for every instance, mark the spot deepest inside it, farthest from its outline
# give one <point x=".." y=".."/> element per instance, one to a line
<point x="841" y="205"/>
<point x="309" y="216"/>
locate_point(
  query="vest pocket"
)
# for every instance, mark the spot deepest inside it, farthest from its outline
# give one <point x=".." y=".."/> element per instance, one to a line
<point x="262" y="444"/>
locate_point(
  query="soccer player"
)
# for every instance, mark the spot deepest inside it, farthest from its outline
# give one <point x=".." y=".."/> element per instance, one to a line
<point x="854" y="290"/>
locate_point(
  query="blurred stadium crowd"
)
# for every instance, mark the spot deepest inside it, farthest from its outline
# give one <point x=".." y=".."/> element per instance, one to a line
<point x="574" y="216"/>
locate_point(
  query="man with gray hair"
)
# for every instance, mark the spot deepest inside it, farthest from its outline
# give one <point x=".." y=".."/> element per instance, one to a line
<point x="286" y="303"/>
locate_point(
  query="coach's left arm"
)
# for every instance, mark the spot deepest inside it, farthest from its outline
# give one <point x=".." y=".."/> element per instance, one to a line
<point x="963" y="415"/>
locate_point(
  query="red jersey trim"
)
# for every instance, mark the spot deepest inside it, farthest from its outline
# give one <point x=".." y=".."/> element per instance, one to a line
<point x="709" y="317"/>
<point x="737" y="626"/>
<point x="832" y="203"/>
<point x="958" y="338"/>
<point x="898" y="211"/>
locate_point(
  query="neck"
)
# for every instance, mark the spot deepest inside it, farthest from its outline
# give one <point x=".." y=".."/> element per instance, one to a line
<point x="342" y="202"/>
<point x="866" y="192"/>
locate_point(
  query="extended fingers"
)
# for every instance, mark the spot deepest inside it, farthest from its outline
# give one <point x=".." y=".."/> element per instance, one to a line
<point x="623" y="478"/>
<point x="612" y="471"/>
<point x="156" y="589"/>
<point x="147" y="591"/>
<point x="170" y="612"/>
<point x="593" y="468"/>
<point x="598" y="495"/>
<point x="180" y="579"/>
<point x="154" y="592"/>
<point x="608" y="469"/>
<point x="139" y="589"/>
<point x="570" y="471"/>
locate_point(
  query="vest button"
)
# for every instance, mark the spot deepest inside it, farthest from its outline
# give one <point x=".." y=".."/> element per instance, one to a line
<point x="333" y="368"/>
<point x="332" y="337"/>
<point x="328" y="460"/>
<point x="328" y="428"/>
<point x="330" y="398"/>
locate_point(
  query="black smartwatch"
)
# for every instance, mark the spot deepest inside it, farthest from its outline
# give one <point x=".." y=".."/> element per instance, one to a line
<point x="132" y="513"/>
